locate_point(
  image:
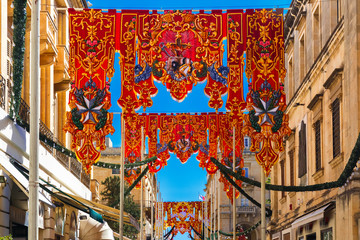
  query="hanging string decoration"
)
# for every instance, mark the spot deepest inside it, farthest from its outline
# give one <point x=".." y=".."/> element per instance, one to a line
<point x="184" y="216"/>
<point x="226" y="147"/>
<point x="266" y="122"/>
<point x="178" y="49"/>
<point x="92" y="51"/>
<point x="183" y="135"/>
<point x="126" y="27"/>
<point x="236" y="45"/>
<point x="133" y="146"/>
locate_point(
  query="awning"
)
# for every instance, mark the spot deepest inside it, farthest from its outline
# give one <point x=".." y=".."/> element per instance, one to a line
<point x="107" y="212"/>
<point x="96" y="210"/>
<point x="20" y="180"/>
<point x="91" y="229"/>
<point x="310" y="217"/>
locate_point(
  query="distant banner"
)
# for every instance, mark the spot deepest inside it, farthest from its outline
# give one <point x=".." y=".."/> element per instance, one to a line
<point x="186" y="216"/>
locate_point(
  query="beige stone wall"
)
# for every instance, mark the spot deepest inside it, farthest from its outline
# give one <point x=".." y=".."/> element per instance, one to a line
<point x="330" y="71"/>
<point x="245" y="217"/>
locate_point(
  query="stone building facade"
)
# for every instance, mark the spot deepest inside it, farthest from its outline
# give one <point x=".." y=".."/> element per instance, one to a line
<point x="150" y="189"/>
<point x="247" y="214"/>
<point x="322" y="88"/>
<point x="57" y="220"/>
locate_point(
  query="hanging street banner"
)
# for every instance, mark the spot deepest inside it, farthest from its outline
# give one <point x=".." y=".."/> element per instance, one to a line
<point x="179" y="49"/>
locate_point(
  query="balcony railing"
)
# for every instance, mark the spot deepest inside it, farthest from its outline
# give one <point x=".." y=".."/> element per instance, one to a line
<point x="2" y="92"/>
<point x="70" y="163"/>
<point x="239" y="209"/>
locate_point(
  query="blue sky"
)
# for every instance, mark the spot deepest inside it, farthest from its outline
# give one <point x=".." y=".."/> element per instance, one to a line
<point x="178" y="182"/>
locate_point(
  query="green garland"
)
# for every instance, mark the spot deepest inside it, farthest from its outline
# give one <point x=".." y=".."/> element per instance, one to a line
<point x="129" y="165"/>
<point x="18" y="54"/>
<point x="132" y="185"/>
<point x="351" y="164"/>
<point x="268" y="210"/>
<point x="47" y="140"/>
<point x="252" y="228"/>
<point x="137" y="181"/>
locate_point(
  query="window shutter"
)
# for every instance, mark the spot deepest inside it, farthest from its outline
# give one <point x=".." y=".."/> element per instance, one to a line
<point x="292" y="171"/>
<point x="317" y="145"/>
<point x="302" y="150"/>
<point x="335" y="106"/>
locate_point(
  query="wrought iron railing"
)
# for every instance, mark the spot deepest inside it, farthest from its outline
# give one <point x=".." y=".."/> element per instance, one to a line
<point x="75" y="167"/>
<point x="2" y="92"/>
<point x="85" y="178"/>
<point x="44" y="130"/>
<point x="24" y="112"/>
<point x="70" y="163"/>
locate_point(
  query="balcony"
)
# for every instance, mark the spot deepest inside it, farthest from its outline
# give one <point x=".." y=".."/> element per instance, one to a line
<point x="62" y="77"/>
<point x="227" y="209"/>
<point x="48" y="30"/>
<point x="70" y="163"/>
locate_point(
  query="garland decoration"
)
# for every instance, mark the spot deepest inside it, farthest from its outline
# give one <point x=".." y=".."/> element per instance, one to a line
<point x="252" y="228"/>
<point x="128" y="165"/>
<point x="18" y="54"/>
<point x="268" y="210"/>
<point x="196" y="232"/>
<point x="348" y="169"/>
<point x="46" y="140"/>
<point x="137" y="180"/>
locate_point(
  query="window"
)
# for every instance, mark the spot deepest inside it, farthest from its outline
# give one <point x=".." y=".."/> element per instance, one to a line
<point x="244" y="201"/>
<point x="335" y="106"/>
<point x="317" y="145"/>
<point x="302" y="59"/>
<point x="246" y="171"/>
<point x="291" y="79"/>
<point x="292" y="174"/>
<point x="326" y="234"/>
<point x="339" y="11"/>
<point x="302" y="150"/>
<point x="286" y="236"/>
<point x="116" y="171"/>
<point x="246" y="142"/>
<point x="282" y="167"/>
<point x="316" y="33"/>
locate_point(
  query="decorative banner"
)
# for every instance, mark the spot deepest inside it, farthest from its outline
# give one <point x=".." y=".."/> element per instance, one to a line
<point x="266" y="121"/>
<point x="178" y="49"/>
<point x="183" y="135"/>
<point x="133" y="146"/>
<point x="126" y="27"/>
<point x="236" y="44"/>
<point x="185" y="216"/>
<point x="213" y="142"/>
<point x="92" y="52"/>
<point x="226" y="147"/>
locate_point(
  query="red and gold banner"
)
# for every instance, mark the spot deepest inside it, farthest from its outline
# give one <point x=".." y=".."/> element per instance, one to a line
<point x="178" y="49"/>
<point x="185" y="216"/>
<point x="226" y="135"/>
<point x="266" y="122"/>
<point x="92" y="53"/>
<point x="127" y="24"/>
<point x="183" y="135"/>
<point x="236" y="45"/>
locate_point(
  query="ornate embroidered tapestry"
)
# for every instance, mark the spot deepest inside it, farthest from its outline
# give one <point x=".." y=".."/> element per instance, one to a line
<point x="266" y="122"/>
<point x="92" y="52"/>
